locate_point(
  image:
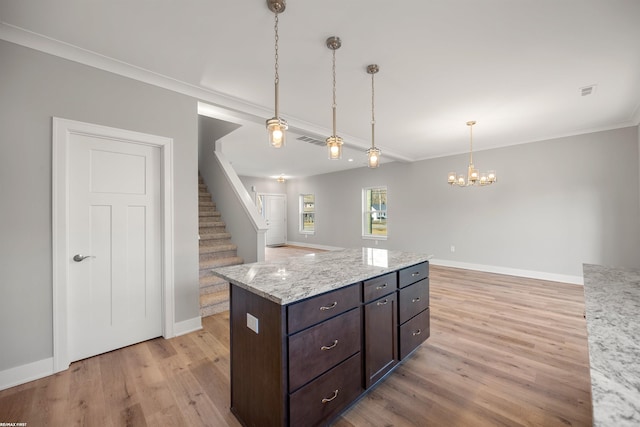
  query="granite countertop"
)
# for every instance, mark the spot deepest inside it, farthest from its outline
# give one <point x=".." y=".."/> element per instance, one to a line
<point x="293" y="279"/>
<point x="612" y="306"/>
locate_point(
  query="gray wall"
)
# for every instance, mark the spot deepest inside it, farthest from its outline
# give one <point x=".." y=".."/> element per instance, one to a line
<point x="264" y="185"/>
<point x="34" y="87"/>
<point x="558" y="204"/>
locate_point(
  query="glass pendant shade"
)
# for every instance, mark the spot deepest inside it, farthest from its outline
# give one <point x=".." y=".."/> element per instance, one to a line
<point x="334" y="143"/>
<point x="276" y="129"/>
<point x="373" y="155"/>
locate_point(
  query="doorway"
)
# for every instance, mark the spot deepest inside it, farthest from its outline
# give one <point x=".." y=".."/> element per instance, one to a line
<point x="273" y="208"/>
<point x="112" y="236"/>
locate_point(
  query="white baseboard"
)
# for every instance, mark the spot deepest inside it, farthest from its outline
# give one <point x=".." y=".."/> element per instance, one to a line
<point x="314" y="246"/>
<point x="186" y="326"/>
<point x="42" y="368"/>
<point x="576" y="280"/>
<point x="25" y="373"/>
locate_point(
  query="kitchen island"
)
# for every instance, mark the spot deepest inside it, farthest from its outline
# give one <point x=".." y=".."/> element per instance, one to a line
<point x="612" y="310"/>
<point x="311" y="334"/>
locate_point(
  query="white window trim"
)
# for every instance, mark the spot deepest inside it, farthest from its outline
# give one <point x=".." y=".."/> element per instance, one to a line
<point x="301" y="212"/>
<point x="366" y="236"/>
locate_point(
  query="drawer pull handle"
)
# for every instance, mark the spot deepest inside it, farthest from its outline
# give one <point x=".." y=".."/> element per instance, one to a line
<point x="327" y="400"/>
<point x="418" y="332"/>
<point x="415" y="299"/>
<point x="417" y="273"/>
<point x="382" y="302"/>
<point x="329" y="307"/>
<point x="324" y="347"/>
<point x="381" y="286"/>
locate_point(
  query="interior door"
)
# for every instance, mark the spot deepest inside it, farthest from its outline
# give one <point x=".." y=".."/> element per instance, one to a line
<point x="114" y="235"/>
<point x="274" y="213"/>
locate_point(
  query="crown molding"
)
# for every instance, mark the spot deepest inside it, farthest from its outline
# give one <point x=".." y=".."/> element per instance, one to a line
<point x="234" y="107"/>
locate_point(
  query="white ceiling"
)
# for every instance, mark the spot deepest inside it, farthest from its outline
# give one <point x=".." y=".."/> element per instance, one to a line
<point x="514" y="66"/>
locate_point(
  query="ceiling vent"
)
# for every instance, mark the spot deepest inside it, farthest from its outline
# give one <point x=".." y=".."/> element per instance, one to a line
<point x="311" y="140"/>
<point x="587" y="90"/>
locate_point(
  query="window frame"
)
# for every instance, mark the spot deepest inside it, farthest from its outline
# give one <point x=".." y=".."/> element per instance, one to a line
<point x="365" y="214"/>
<point x="302" y="212"/>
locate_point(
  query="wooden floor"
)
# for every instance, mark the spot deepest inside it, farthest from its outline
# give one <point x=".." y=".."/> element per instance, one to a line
<point x="503" y="351"/>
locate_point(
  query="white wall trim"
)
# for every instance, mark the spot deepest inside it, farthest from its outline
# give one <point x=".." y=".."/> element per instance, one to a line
<point x="187" y="326"/>
<point x="235" y="107"/>
<point x="62" y="128"/>
<point x="314" y="246"/>
<point x="576" y="280"/>
<point x="25" y="373"/>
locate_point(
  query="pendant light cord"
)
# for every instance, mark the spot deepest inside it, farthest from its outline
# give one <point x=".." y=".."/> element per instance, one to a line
<point x="334" y="93"/>
<point x="373" y="117"/>
<point x="277" y="77"/>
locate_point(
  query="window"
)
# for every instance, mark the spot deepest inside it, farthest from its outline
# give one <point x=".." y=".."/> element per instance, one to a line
<point x="374" y="213"/>
<point x="307" y="214"/>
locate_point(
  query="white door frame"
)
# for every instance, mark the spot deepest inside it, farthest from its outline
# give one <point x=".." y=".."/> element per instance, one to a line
<point x="62" y="128"/>
<point x="285" y="211"/>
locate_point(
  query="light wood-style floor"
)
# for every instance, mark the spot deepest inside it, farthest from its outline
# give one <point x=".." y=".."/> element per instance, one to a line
<point x="503" y="351"/>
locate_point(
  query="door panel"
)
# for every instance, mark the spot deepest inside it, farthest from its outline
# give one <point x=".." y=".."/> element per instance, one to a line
<point x="115" y="296"/>
<point x="274" y="214"/>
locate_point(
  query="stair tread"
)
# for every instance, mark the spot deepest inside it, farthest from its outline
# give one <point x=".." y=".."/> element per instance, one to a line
<point x="205" y="224"/>
<point x="212" y="280"/>
<point x="218" y="247"/>
<point x="220" y="262"/>
<point x="215" y="236"/>
<point x="214" y="309"/>
<point x="214" y="298"/>
<point x="205" y="290"/>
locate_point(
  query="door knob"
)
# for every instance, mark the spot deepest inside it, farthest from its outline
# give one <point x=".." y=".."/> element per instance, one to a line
<point x="80" y="258"/>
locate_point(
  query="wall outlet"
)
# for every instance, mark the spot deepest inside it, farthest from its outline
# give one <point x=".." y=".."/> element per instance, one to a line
<point x="453" y="248"/>
<point x="252" y="323"/>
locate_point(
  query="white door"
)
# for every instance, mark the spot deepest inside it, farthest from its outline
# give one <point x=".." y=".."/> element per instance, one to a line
<point x="115" y="294"/>
<point x="274" y="213"/>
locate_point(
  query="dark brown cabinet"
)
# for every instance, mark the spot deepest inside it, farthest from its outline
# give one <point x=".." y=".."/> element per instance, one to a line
<point x="413" y="308"/>
<point x="381" y="339"/>
<point x="305" y="362"/>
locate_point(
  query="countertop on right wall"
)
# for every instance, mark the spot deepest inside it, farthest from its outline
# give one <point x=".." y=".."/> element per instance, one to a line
<point x="612" y="309"/>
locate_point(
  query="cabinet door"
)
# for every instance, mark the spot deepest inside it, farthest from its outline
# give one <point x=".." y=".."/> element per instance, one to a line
<point x="381" y="339"/>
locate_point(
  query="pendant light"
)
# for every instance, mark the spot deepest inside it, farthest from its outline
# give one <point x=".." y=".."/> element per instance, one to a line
<point x="334" y="142"/>
<point x="473" y="176"/>
<point x="276" y="126"/>
<point x="373" y="153"/>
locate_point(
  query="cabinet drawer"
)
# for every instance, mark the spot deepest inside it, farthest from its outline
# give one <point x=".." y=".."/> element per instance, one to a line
<point x="413" y="333"/>
<point x="317" y="349"/>
<point x="309" y="312"/>
<point x="412" y="274"/>
<point x="413" y="299"/>
<point x="380" y="286"/>
<point x="319" y="401"/>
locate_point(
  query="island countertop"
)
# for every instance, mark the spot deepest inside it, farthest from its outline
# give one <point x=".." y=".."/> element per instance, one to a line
<point x="293" y="279"/>
<point x="612" y="307"/>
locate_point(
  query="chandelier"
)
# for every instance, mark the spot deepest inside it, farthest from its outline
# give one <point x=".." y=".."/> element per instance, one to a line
<point x="334" y="142"/>
<point x="473" y="176"/>
<point x="276" y="126"/>
<point x="373" y="153"/>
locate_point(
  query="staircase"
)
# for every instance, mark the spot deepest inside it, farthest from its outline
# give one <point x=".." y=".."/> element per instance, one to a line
<point x="216" y="250"/>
